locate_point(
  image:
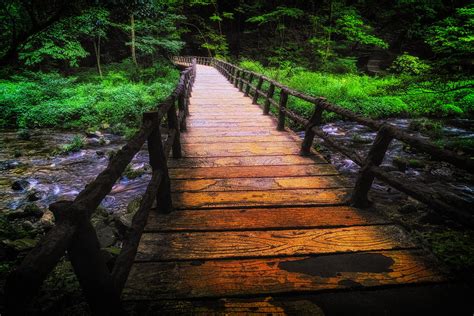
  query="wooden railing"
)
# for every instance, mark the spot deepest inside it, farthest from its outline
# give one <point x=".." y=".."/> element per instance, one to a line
<point x="251" y="84"/>
<point x="74" y="233"/>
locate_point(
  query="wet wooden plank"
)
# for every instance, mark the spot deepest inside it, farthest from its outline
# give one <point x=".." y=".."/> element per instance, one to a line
<point x="240" y="149"/>
<point x="230" y="124"/>
<point x="225" y="307"/>
<point x="155" y="280"/>
<point x="244" y="161"/>
<point x="236" y="139"/>
<point x="190" y="200"/>
<point x="253" y="172"/>
<point x="261" y="218"/>
<point x="269" y="243"/>
<point x="247" y="184"/>
<point x="223" y="132"/>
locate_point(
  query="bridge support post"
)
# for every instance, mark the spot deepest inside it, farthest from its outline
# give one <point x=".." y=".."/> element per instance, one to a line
<point x="257" y="90"/>
<point x="270" y="92"/>
<point x="374" y="158"/>
<point x="247" y="88"/>
<point x="173" y="125"/>
<point x="158" y="162"/>
<point x="315" y="120"/>
<point x="281" y="110"/>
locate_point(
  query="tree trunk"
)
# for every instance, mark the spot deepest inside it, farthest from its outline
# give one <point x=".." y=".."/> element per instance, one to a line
<point x="132" y="27"/>
<point x="97" y="56"/>
<point x="328" y="44"/>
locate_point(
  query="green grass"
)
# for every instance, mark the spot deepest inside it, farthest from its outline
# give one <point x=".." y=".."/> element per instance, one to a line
<point x="83" y="100"/>
<point x="376" y="97"/>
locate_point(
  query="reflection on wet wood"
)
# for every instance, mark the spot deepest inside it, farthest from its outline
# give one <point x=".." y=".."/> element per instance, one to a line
<point x="261" y="218"/>
<point x="221" y="278"/>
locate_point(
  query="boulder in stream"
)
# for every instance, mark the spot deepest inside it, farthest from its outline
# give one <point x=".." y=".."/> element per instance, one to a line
<point x="20" y="185"/>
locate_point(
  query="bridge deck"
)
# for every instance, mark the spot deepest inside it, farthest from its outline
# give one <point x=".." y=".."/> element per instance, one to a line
<point x="254" y="219"/>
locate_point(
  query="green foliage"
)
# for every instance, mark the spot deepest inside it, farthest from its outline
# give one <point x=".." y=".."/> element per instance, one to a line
<point x="353" y="28"/>
<point x="407" y="64"/>
<point x="341" y="66"/>
<point x="376" y="97"/>
<point x="51" y="100"/>
<point x="455" y="248"/>
<point x="76" y="144"/>
<point x="62" y="40"/>
<point x="453" y="37"/>
<point x="276" y="15"/>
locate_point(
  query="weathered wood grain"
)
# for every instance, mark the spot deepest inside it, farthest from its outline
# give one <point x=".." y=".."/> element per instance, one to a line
<point x="246" y="184"/>
<point x="155" y="280"/>
<point x="261" y="218"/>
<point x="231" y="244"/>
<point x="240" y="149"/>
<point x="190" y="200"/>
<point x="252" y="172"/>
<point x="245" y="161"/>
<point x="237" y="139"/>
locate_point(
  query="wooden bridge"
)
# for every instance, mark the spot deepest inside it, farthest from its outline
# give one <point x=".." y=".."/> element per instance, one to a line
<point x="261" y="223"/>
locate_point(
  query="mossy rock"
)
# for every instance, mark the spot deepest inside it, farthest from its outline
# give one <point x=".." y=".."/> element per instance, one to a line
<point x="21" y="244"/>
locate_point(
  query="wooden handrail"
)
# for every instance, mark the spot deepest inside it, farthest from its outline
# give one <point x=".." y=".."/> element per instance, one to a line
<point x="369" y="166"/>
<point x="74" y="232"/>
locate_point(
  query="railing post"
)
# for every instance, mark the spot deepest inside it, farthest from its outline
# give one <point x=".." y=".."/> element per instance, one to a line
<point x="309" y="134"/>
<point x="173" y="125"/>
<point x="281" y="110"/>
<point x="241" y="80"/>
<point x="236" y="79"/>
<point x="247" y="89"/>
<point x="91" y="269"/>
<point x="270" y="92"/>
<point x="182" y="109"/>
<point x="374" y="158"/>
<point x="257" y="90"/>
<point x="158" y="162"/>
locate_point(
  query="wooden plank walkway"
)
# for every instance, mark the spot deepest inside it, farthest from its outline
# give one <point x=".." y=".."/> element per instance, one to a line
<point x="255" y="219"/>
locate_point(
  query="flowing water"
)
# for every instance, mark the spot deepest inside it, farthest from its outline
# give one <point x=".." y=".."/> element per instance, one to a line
<point x="50" y="177"/>
<point x="438" y="175"/>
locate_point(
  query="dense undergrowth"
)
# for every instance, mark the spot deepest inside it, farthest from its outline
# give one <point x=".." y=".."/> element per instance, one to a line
<point x="84" y="100"/>
<point x="376" y="97"/>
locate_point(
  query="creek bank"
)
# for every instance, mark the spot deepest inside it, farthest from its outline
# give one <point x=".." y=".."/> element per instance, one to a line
<point x="39" y="176"/>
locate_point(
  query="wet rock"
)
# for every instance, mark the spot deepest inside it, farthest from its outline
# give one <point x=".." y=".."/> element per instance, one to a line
<point x="31" y="209"/>
<point x="20" y="185"/>
<point x="407" y="209"/>
<point x="22" y="244"/>
<point x="400" y="163"/>
<point x="96" y="142"/>
<point x="123" y="221"/>
<point x="100" y="153"/>
<point x="106" y="234"/>
<point x="442" y="172"/>
<point x="34" y="196"/>
<point x="24" y="134"/>
<point x="28" y="225"/>
<point x="94" y="134"/>
<point x="47" y="220"/>
<point x="17" y="154"/>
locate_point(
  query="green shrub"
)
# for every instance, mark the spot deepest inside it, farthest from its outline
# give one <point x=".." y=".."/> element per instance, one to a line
<point x="76" y="144"/>
<point x="84" y="100"/>
<point x="409" y="65"/>
<point x="341" y="66"/>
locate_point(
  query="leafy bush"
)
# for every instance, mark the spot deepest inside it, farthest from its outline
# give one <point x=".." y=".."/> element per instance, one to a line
<point x="341" y="66"/>
<point x="409" y="65"/>
<point x="82" y="101"/>
<point x="376" y="97"/>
